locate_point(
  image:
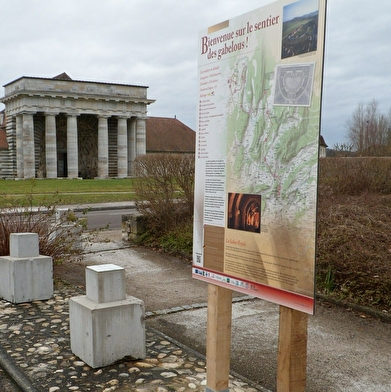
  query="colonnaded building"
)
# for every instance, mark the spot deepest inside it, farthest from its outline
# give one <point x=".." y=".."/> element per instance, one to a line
<point x="59" y="127"/>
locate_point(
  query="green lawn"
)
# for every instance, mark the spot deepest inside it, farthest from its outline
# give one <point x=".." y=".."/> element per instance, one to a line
<point x="47" y="191"/>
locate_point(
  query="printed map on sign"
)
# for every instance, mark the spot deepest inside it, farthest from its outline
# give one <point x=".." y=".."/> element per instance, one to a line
<point x="268" y="152"/>
<point x="257" y="152"/>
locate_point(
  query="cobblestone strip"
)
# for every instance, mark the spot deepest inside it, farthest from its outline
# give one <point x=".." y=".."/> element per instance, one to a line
<point x="36" y="338"/>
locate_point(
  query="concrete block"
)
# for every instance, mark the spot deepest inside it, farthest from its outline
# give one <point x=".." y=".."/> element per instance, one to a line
<point x="133" y="225"/>
<point x="105" y="283"/>
<point x="102" y="333"/>
<point x="26" y="279"/>
<point x="24" y="245"/>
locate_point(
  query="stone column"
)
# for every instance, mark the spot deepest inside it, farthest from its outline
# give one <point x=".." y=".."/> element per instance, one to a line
<point x="28" y="146"/>
<point x="72" y="147"/>
<point x="122" y="146"/>
<point x="132" y="145"/>
<point x="19" y="146"/>
<point x="103" y="147"/>
<point x="141" y="137"/>
<point x="51" y="146"/>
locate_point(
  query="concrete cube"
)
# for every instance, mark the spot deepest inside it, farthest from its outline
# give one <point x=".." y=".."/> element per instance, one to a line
<point x="105" y="283"/>
<point x="24" y="245"/>
<point x="102" y="333"/>
<point x="133" y="225"/>
<point x="26" y="279"/>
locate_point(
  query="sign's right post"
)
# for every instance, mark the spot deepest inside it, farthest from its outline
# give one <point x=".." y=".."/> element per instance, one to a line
<point x="292" y="350"/>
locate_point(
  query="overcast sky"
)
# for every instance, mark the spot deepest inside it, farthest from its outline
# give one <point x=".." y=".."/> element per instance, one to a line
<point x="154" y="43"/>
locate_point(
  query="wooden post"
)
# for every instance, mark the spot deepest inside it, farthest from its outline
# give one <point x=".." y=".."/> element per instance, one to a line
<point x="292" y="351"/>
<point x="218" y="340"/>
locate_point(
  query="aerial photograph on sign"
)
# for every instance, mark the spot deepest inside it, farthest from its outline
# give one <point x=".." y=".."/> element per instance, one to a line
<point x="300" y="28"/>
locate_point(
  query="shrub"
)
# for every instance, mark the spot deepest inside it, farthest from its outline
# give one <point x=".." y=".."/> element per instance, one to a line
<point x="58" y="231"/>
<point x="164" y="187"/>
<point x="179" y="240"/>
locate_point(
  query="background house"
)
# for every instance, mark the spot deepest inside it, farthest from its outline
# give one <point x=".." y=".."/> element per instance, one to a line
<point x="322" y="147"/>
<point x="169" y="135"/>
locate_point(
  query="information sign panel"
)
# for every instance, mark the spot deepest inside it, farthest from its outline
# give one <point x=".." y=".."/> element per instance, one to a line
<point x="259" y="102"/>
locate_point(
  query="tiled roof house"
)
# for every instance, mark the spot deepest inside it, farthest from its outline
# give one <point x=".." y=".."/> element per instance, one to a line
<point x="169" y="135"/>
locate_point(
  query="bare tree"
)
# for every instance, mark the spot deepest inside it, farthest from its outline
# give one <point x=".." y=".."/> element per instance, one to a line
<point x="369" y="130"/>
<point x="343" y="149"/>
<point x="355" y="126"/>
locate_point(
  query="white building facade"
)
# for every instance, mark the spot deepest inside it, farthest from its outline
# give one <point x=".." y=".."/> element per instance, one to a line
<point x="59" y="127"/>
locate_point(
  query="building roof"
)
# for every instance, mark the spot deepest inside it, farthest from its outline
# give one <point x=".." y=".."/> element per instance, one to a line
<point x="169" y="135"/>
<point x="64" y="76"/>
